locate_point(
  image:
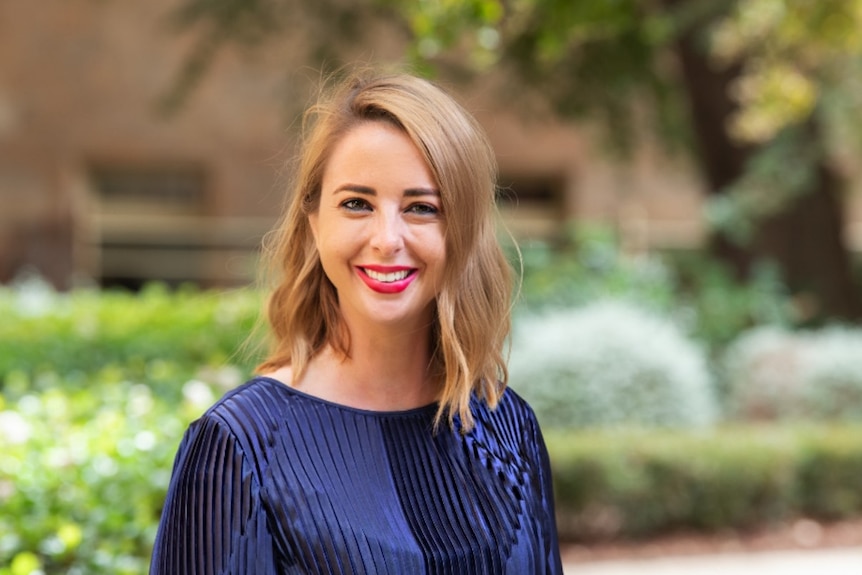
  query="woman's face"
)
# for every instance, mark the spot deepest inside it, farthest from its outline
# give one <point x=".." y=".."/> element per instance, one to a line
<point x="379" y="229"/>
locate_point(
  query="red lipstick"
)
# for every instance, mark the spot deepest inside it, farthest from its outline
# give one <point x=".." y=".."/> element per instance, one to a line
<point x="387" y="279"/>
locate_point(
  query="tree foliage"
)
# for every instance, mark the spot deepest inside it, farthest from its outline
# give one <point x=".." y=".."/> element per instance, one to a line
<point x="586" y="58"/>
<point x="329" y="30"/>
<point x="764" y="92"/>
<point x="793" y="54"/>
<point x="611" y="60"/>
<point x="769" y="88"/>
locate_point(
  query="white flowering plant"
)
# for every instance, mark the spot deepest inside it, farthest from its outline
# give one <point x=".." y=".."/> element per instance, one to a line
<point x="772" y="374"/>
<point x="610" y="364"/>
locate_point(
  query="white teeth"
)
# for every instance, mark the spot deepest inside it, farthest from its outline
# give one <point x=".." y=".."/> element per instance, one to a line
<point x="387" y="278"/>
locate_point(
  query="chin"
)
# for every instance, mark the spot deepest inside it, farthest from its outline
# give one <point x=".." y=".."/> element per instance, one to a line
<point x="387" y="316"/>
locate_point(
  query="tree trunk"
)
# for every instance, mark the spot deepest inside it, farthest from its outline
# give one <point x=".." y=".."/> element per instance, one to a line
<point x="806" y="239"/>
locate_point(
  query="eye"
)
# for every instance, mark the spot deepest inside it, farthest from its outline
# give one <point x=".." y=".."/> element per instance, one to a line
<point x="423" y="209"/>
<point x="355" y="205"/>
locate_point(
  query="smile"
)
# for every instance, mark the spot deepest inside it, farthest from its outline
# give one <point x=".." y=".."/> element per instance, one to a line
<point x="387" y="280"/>
<point x="387" y="277"/>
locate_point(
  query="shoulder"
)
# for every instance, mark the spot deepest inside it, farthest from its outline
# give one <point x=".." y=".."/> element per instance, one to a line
<point x="257" y="400"/>
<point x="251" y="412"/>
<point x="247" y="417"/>
<point x="511" y="422"/>
<point x="508" y="432"/>
<point x="513" y="401"/>
<point x="511" y="408"/>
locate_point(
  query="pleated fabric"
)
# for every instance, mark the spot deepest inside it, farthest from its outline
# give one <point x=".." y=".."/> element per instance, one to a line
<point x="274" y="481"/>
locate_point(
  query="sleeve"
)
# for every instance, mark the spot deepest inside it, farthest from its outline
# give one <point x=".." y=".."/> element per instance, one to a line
<point x="213" y="522"/>
<point x="554" y="565"/>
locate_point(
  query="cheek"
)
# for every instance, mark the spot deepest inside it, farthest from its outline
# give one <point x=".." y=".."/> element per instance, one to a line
<point x="326" y="251"/>
<point x="325" y="232"/>
<point x="336" y="245"/>
<point x="435" y="249"/>
<point x="440" y="253"/>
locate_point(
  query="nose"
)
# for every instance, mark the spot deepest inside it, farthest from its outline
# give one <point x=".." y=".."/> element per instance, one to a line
<point x="387" y="236"/>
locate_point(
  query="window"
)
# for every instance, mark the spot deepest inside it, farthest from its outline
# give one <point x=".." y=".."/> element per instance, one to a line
<point x="532" y="206"/>
<point x="153" y="223"/>
<point x="163" y="189"/>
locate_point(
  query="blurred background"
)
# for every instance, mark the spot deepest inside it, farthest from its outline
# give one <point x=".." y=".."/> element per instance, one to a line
<point x="682" y="178"/>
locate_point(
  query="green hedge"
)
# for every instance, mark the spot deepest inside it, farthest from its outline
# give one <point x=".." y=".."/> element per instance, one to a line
<point x="631" y="484"/>
<point x="97" y="388"/>
<point x="44" y="333"/>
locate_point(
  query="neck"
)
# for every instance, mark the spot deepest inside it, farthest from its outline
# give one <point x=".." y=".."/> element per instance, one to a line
<point x="385" y="371"/>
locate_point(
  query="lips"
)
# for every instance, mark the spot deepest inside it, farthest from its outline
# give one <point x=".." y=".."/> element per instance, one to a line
<point x="387" y="279"/>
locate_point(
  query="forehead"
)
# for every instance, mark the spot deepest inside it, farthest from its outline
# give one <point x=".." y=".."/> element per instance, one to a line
<point x="376" y="151"/>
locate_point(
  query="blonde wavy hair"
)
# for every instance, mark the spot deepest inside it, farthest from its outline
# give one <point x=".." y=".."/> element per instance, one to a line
<point x="472" y="319"/>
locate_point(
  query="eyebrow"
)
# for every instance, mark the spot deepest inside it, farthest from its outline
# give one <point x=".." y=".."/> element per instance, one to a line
<point x="369" y="191"/>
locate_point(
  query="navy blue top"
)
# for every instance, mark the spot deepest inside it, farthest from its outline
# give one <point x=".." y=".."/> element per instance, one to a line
<point x="271" y="480"/>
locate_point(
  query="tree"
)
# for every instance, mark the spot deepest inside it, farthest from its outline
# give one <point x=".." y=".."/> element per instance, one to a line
<point x="762" y="90"/>
<point x="766" y="86"/>
<point x="761" y="97"/>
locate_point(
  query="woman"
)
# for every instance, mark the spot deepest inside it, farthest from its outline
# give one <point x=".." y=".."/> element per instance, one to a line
<point x="381" y="437"/>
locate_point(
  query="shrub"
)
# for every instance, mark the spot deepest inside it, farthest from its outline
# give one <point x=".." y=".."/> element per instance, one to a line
<point x="83" y="474"/>
<point x="630" y="484"/>
<point x="609" y="364"/>
<point x="717" y="307"/>
<point x="692" y="287"/>
<point x="776" y="374"/>
<point x="829" y="476"/>
<point x="85" y="331"/>
<point x="832" y="379"/>
<point x="590" y="266"/>
<point x="96" y="389"/>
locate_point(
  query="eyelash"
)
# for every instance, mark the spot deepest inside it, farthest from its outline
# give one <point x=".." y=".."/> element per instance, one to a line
<point x="355" y="205"/>
<point x="424" y="209"/>
<point x="359" y="205"/>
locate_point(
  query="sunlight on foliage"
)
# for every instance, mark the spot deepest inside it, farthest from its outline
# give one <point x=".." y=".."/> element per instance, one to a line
<point x="791" y="52"/>
<point x="83" y="474"/>
<point x="770" y="100"/>
<point x="470" y="25"/>
<point x="96" y="389"/>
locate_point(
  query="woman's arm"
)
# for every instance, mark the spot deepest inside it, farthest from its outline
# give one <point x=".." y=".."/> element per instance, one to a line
<point x="212" y="522"/>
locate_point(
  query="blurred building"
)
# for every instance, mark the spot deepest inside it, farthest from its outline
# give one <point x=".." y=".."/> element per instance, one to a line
<point x="96" y="181"/>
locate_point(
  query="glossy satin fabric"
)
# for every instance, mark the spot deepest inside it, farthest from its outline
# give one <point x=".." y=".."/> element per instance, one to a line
<point x="274" y="481"/>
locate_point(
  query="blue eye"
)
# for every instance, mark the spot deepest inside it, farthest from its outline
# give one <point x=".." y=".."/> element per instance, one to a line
<point x="355" y="205"/>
